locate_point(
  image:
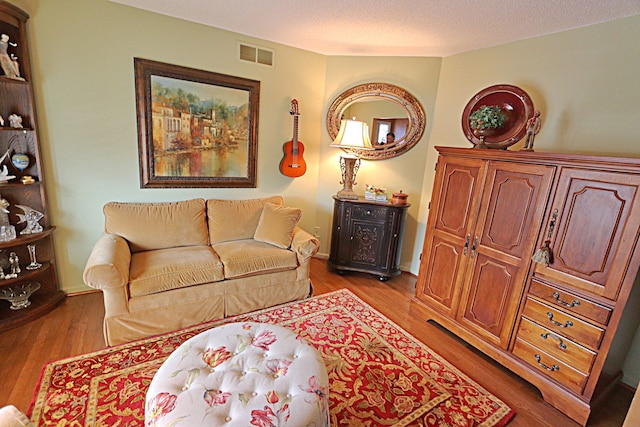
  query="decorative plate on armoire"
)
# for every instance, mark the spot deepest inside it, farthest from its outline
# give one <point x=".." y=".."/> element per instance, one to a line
<point x="515" y="104"/>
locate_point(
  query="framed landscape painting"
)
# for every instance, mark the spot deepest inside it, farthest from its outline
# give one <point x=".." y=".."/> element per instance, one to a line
<point x="195" y="128"/>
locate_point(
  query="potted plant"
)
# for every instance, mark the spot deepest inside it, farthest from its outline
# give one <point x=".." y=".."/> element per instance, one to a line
<point x="487" y="117"/>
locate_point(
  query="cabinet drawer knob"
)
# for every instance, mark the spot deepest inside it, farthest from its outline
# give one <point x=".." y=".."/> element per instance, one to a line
<point x="561" y="343"/>
<point x="573" y="303"/>
<point x="566" y="324"/>
<point x="551" y="369"/>
<point x="368" y="212"/>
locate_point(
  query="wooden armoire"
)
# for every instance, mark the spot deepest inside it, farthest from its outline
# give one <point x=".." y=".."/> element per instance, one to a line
<point x="551" y="323"/>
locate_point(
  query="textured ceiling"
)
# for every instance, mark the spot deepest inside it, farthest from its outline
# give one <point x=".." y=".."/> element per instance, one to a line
<point x="392" y="27"/>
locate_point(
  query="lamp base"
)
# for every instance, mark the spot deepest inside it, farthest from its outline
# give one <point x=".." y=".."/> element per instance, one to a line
<point x="347" y="194"/>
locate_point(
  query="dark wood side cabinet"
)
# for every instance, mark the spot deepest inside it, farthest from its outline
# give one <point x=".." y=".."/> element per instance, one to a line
<point x="551" y="324"/>
<point x="367" y="237"/>
<point x="16" y="97"/>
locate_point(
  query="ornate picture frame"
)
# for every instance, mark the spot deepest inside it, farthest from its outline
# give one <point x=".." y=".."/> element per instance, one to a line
<point x="196" y="128"/>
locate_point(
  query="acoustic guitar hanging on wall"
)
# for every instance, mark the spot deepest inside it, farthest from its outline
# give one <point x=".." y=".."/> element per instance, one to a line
<point x="292" y="164"/>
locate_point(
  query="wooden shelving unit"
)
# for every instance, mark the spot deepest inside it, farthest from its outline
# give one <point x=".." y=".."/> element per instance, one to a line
<point x="16" y="97"/>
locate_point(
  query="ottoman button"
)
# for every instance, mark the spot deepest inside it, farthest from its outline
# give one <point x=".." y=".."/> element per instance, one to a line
<point x="227" y="419"/>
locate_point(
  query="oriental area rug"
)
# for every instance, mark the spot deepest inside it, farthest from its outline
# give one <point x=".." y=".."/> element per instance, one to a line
<point x="379" y="375"/>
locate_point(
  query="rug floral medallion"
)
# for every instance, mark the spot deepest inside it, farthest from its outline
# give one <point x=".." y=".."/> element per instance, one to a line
<point x="379" y="375"/>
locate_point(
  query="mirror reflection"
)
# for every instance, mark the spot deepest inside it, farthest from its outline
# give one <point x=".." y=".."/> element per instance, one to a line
<point x="387" y="120"/>
<point x="395" y="118"/>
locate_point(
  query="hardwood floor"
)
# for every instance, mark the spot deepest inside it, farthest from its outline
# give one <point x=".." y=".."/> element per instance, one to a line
<point x="76" y="327"/>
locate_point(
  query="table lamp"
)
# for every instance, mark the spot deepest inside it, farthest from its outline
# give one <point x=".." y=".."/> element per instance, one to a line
<point x="352" y="134"/>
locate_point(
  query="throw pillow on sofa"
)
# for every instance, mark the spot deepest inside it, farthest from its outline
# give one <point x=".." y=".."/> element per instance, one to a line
<point x="235" y="219"/>
<point x="277" y="224"/>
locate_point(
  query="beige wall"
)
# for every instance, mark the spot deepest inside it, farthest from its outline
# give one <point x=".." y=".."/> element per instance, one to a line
<point x="585" y="81"/>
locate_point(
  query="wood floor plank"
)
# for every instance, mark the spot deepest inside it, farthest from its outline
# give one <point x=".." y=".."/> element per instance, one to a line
<point x="75" y="327"/>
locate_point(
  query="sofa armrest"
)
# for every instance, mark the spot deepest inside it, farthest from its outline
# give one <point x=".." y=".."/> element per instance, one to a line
<point x="108" y="263"/>
<point x="304" y="245"/>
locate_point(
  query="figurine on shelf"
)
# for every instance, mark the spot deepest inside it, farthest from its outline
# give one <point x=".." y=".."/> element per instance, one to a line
<point x="7" y="231"/>
<point x="14" y="265"/>
<point x="31" y="217"/>
<point x="9" y="63"/>
<point x="1" y="121"/>
<point x="15" y="121"/>
<point x="533" y="127"/>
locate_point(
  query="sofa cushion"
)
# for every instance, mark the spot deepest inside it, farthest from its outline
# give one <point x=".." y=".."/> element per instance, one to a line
<point x="164" y="269"/>
<point x="248" y="257"/>
<point x="235" y="219"/>
<point x="150" y="226"/>
<point x="277" y="224"/>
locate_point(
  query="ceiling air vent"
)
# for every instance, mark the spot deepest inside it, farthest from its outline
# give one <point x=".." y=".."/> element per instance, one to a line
<point x="256" y="54"/>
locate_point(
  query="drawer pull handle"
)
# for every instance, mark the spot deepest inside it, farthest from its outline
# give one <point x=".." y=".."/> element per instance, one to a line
<point x="566" y="324"/>
<point x="369" y="212"/>
<point x="561" y="343"/>
<point x="551" y="369"/>
<point x="573" y="303"/>
<point x="466" y="245"/>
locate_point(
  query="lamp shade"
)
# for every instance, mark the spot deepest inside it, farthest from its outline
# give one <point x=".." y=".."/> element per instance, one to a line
<point x="352" y="134"/>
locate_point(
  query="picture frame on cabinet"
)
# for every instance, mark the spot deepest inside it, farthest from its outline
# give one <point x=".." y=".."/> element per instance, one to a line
<point x="196" y="128"/>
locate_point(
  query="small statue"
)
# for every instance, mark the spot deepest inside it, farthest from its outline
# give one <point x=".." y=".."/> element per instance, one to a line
<point x="15" y="121"/>
<point x="4" y="212"/>
<point x="31" y="217"/>
<point x="14" y="264"/>
<point x="533" y="127"/>
<point x="8" y="63"/>
<point x="14" y="267"/>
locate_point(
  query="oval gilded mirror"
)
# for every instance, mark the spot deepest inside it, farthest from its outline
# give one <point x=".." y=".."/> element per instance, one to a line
<point x="386" y="109"/>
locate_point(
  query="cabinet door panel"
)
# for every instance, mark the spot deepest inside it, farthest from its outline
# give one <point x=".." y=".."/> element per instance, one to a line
<point x="366" y="242"/>
<point x="515" y="207"/>
<point x="441" y="274"/>
<point x="459" y="196"/>
<point x="455" y="202"/>
<point x="341" y="217"/>
<point x="596" y="209"/>
<point x="490" y="299"/>
<point x="510" y="219"/>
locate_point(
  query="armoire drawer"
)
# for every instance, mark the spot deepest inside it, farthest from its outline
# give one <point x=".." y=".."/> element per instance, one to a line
<point x="554" y="368"/>
<point x="570" y="302"/>
<point x="563" y="323"/>
<point x="556" y="345"/>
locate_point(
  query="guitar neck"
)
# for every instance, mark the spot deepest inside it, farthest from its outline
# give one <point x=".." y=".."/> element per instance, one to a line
<point x="295" y="135"/>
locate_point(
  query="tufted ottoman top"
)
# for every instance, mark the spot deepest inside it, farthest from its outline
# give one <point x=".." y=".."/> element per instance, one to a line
<point x="240" y="374"/>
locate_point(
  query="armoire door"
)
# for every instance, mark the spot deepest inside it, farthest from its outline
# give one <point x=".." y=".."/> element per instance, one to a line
<point x="511" y="214"/>
<point x="598" y="215"/>
<point x="455" y="202"/>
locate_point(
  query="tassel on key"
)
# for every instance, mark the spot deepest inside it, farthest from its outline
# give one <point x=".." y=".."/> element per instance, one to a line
<point x="543" y="255"/>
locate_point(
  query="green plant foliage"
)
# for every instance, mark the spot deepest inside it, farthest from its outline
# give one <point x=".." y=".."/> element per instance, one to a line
<point x="487" y="117"/>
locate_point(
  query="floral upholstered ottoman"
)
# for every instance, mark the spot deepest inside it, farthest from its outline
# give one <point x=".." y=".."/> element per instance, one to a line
<point x="241" y="374"/>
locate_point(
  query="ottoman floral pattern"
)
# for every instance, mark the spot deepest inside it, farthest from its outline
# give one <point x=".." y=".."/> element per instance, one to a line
<point x="244" y="374"/>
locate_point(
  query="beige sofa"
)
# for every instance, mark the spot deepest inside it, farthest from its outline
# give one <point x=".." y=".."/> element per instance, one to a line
<point x="165" y="266"/>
